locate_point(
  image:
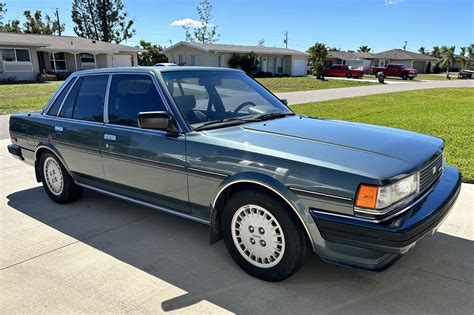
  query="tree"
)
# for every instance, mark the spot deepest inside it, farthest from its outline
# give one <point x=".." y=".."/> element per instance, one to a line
<point x="364" y="48"/>
<point x="261" y="42"/>
<point x="470" y="50"/>
<point x="436" y="53"/>
<point x="422" y="50"/>
<point x="12" y="26"/>
<point x="334" y="49"/>
<point x="36" y="25"/>
<point x="207" y="32"/>
<point x="463" y="57"/>
<point x="153" y="55"/>
<point x="317" y="56"/>
<point x="247" y="63"/>
<point x="3" y="10"/>
<point x="448" y="58"/>
<point x="104" y="20"/>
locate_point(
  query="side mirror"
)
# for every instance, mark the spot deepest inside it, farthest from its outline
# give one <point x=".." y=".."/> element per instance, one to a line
<point x="157" y="121"/>
<point x="284" y="101"/>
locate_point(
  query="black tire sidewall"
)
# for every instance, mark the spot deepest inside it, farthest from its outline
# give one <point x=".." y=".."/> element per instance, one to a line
<point x="295" y="241"/>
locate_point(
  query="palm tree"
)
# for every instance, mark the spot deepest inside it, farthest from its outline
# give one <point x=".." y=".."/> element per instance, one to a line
<point x="422" y="50"/>
<point x="463" y="57"/>
<point x="436" y="52"/>
<point x="364" y="48"/>
<point x="470" y="50"/>
<point x="447" y="58"/>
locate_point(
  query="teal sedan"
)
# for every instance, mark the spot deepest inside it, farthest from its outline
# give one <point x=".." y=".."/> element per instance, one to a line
<point x="214" y="146"/>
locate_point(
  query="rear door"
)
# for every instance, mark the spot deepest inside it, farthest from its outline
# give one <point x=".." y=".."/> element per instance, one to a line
<point x="78" y="128"/>
<point x="148" y="165"/>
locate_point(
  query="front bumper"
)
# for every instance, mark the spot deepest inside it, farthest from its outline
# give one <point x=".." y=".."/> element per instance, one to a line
<point x="399" y="234"/>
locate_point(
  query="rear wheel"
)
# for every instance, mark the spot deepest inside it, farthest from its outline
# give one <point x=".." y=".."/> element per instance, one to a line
<point x="405" y="76"/>
<point x="348" y="75"/>
<point x="262" y="236"/>
<point x="57" y="182"/>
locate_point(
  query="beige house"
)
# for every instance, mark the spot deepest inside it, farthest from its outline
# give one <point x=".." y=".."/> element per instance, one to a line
<point x="278" y="61"/>
<point x="23" y="56"/>
<point x="408" y="58"/>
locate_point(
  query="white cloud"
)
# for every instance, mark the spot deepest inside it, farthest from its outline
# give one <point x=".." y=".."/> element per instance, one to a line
<point x="392" y="2"/>
<point x="187" y="22"/>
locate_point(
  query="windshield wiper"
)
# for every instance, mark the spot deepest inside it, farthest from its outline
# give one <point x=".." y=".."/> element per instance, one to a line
<point x="272" y="115"/>
<point x="220" y="122"/>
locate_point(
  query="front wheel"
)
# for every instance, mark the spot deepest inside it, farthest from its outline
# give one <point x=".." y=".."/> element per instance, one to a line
<point x="348" y="75"/>
<point x="262" y="236"/>
<point x="57" y="182"/>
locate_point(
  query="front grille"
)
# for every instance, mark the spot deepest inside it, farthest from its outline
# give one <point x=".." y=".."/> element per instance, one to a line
<point x="430" y="173"/>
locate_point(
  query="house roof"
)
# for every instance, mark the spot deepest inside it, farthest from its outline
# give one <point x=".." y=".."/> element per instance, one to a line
<point x="239" y="49"/>
<point x="401" y="54"/>
<point x="348" y="55"/>
<point x="63" y="43"/>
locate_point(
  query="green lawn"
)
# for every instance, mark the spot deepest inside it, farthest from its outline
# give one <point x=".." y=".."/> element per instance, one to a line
<point x="438" y="76"/>
<point x="291" y="84"/>
<point x="445" y="113"/>
<point x="16" y="98"/>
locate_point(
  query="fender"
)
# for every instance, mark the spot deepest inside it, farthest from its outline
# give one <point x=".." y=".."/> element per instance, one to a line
<point x="46" y="145"/>
<point x="269" y="183"/>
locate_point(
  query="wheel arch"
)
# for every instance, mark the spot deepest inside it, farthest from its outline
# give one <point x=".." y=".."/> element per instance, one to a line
<point x="260" y="181"/>
<point x="47" y="147"/>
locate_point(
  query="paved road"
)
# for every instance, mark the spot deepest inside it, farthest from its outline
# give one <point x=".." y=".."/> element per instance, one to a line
<point x="332" y="94"/>
<point x="104" y="255"/>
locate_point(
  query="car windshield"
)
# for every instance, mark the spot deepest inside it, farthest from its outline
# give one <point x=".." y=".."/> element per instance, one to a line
<point x="213" y="99"/>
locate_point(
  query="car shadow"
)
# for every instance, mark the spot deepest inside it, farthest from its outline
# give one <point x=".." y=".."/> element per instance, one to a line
<point x="437" y="274"/>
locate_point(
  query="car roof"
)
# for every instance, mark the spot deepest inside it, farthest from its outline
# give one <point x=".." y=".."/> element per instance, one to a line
<point x="152" y="69"/>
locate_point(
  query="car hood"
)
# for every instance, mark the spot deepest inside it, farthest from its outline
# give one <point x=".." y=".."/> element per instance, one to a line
<point x="378" y="152"/>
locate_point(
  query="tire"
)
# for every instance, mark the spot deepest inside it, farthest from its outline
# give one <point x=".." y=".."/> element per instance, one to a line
<point x="348" y="75"/>
<point x="405" y="77"/>
<point x="251" y="210"/>
<point x="57" y="182"/>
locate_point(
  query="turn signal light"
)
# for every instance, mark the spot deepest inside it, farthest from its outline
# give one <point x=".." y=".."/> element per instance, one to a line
<point x="367" y="196"/>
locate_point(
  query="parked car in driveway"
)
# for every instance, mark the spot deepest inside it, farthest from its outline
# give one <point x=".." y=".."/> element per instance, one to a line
<point x="342" y="71"/>
<point x="395" y="70"/>
<point x="213" y="146"/>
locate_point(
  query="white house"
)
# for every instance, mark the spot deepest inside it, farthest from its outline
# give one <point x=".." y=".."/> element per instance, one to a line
<point x="23" y="56"/>
<point x="278" y="61"/>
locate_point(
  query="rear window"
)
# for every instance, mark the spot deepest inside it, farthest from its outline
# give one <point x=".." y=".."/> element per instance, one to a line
<point x="86" y="99"/>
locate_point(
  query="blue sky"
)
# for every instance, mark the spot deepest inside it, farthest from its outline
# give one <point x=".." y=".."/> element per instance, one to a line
<point x="380" y="24"/>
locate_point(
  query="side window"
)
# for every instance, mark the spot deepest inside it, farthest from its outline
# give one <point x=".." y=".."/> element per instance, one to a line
<point x="53" y="110"/>
<point x="86" y="99"/>
<point x="131" y="94"/>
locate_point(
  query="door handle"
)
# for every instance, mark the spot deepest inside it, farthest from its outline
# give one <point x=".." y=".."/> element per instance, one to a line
<point x="58" y="128"/>
<point x="110" y="137"/>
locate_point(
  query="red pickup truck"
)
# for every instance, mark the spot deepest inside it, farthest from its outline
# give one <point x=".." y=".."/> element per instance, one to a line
<point x="342" y="71"/>
<point x="395" y="70"/>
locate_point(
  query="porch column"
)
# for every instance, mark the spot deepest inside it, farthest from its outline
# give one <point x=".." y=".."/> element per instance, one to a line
<point x="95" y="60"/>
<point x="75" y="61"/>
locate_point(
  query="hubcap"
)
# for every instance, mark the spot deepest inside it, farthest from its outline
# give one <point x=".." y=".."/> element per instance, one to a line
<point x="53" y="176"/>
<point x="258" y="236"/>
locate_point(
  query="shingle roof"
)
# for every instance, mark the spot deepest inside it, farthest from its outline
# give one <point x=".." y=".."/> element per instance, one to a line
<point x="348" y="55"/>
<point x="63" y="43"/>
<point x="240" y="49"/>
<point x="401" y="54"/>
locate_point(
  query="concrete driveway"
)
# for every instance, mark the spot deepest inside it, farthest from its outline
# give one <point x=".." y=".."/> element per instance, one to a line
<point x="105" y="255"/>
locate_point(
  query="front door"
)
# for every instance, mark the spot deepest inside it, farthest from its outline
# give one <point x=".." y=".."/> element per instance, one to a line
<point x="78" y="128"/>
<point x="148" y="165"/>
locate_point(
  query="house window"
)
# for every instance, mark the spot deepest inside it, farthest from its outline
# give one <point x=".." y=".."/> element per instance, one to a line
<point x="181" y="60"/>
<point x="58" y="61"/>
<point x="15" y="55"/>
<point x="194" y="60"/>
<point x="87" y="58"/>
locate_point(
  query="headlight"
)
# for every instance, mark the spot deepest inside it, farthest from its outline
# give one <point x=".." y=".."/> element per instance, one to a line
<point x="380" y="197"/>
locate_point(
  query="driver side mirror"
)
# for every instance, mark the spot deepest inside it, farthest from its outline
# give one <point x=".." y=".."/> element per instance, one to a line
<point x="284" y="101"/>
<point x="157" y="121"/>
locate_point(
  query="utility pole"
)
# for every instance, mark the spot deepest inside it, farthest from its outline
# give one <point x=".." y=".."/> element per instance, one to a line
<point x="171" y="43"/>
<point x="57" y="19"/>
<point x="405" y="46"/>
<point x="286" y="40"/>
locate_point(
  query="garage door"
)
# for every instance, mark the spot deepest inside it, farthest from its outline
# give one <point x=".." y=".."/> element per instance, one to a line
<point x="298" y="67"/>
<point x="122" y="61"/>
<point x="419" y="66"/>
